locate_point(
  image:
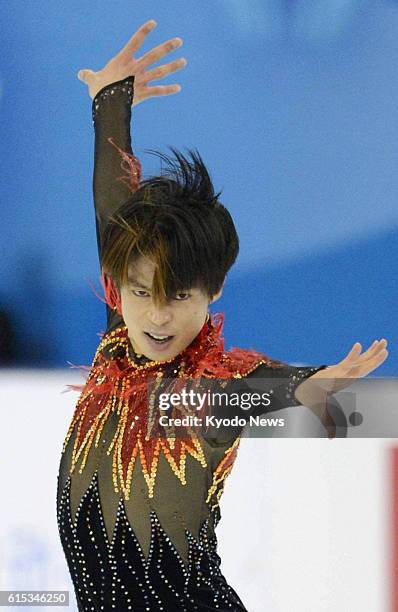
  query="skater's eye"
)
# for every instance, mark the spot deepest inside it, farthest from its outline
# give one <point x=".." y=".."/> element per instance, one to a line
<point x="182" y="296"/>
<point x="140" y="293"/>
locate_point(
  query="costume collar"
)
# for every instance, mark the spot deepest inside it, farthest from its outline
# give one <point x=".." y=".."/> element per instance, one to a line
<point x="118" y="385"/>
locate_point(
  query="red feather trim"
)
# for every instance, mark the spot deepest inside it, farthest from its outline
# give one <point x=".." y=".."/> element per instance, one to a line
<point x="112" y="294"/>
<point x="132" y="167"/>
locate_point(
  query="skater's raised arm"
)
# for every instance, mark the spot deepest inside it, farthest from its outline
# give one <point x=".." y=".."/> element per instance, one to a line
<point x="111" y="111"/>
<point x="123" y="82"/>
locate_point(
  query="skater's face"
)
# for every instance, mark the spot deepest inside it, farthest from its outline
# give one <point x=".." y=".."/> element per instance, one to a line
<point x="181" y="317"/>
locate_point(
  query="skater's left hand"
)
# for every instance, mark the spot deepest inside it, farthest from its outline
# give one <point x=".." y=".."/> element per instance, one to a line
<point x="354" y="365"/>
<point x="313" y="391"/>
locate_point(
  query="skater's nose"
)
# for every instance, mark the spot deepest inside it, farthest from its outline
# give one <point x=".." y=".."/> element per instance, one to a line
<point x="160" y="315"/>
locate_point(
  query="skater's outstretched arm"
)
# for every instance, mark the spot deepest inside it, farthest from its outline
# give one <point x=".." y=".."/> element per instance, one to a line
<point x="311" y="385"/>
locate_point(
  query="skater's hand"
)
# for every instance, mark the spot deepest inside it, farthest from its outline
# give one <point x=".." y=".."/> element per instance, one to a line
<point x="313" y="391"/>
<point x="354" y="365"/>
<point x="124" y="64"/>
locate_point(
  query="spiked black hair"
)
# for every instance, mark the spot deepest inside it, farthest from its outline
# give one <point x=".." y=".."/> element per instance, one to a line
<point x="176" y="220"/>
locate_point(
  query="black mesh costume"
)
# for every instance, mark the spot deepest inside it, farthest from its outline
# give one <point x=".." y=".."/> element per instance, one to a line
<point x="146" y="553"/>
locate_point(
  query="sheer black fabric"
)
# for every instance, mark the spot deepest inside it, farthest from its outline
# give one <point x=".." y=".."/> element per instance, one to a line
<point x="144" y="553"/>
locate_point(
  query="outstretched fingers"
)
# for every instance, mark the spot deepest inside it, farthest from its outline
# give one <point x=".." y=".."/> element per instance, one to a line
<point x="352" y="357"/>
<point x="357" y="364"/>
<point x="162" y="90"/>
<point x="375" y="357"/>
<point x="157" y="53"/>
<point x="162" y="71"/>
<point x="373" y="350"/>
<point x="368" y="361"/>
<point x="137" y="40"/>
<point x="85" y="75"/>
<point x="368" y="366"/>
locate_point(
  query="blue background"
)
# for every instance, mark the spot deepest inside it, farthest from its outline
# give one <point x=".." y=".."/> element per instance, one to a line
<point x="293" y="106"/>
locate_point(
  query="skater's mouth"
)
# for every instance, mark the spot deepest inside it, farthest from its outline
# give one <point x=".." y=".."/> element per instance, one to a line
<point x="159" y="338"/>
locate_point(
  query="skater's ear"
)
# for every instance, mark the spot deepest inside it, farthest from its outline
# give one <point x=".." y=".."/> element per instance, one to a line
<point x="217" y="295"/>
